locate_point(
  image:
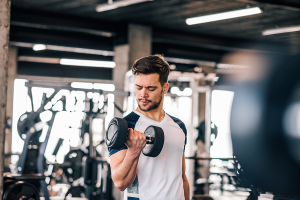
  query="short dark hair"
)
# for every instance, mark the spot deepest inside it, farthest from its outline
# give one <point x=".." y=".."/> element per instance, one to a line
<point x="154" y="64"/>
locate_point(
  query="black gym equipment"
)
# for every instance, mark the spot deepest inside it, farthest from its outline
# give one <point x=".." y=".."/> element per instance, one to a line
<point x="264" y="131"/>
<point x="117" y="133"/>
<point x="32" y="160"/>
<point x="86" y="163"/>
<point x="201" y="132"/>
<point x="76" y="191"/>
<point x="21" y="187"/>
<point x="22" y="191"/>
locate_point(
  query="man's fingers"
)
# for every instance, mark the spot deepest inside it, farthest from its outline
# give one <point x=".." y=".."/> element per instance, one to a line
<point x="130" y="130"/>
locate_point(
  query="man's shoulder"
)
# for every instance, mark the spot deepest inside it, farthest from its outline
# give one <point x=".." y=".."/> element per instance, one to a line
<point x="179" y="122"/>
<point x="131" y="119"/>
<point x="132" y="116"/>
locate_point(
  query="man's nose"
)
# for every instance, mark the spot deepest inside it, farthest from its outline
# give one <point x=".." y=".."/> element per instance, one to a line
<point x="144" y="93"/>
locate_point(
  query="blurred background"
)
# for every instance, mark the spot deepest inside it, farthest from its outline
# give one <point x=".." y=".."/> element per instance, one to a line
<point x="234" y="82"/>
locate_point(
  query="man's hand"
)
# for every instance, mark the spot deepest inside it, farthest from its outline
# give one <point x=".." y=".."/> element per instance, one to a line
<point x="135" y="141"/>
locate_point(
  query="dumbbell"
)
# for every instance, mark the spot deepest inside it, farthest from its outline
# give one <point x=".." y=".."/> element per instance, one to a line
<point x="117" y="133"/>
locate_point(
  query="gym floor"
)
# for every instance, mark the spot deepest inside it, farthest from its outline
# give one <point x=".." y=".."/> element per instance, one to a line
<point x="215" y="194"/>
<point x="235" y="195"/>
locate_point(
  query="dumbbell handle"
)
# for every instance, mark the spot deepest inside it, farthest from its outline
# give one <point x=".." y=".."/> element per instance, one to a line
<point x="150" y="140"/>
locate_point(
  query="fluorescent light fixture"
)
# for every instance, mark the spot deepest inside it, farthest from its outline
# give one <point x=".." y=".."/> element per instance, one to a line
<point x="65" y="61"/>
<point x="83" y="85"/>
<point x="87" y="63"/>
<point x="81" y="50"/>
<point x="230" y="66"/>
<point x="224" y="15"/>
<point x="189" y="61"/>
<point x="39" y="47"/>
<point x="39" y="59"/>
<point x="66" y="49"/>
<point x="104" y="86"/>
<point x="117" y="4"/>
<point x="281" y="30"/>
<point x="184" y="79"/>
<point x="97" y="86"/>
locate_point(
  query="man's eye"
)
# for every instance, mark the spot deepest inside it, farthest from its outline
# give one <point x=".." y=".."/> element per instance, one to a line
<point x="151" y="89"/>
<point x="139" y="88"/>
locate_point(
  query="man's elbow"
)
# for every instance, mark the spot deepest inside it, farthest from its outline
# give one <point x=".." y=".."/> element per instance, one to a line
<point x="120" y="185"/>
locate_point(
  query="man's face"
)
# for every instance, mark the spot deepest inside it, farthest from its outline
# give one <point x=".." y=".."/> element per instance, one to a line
<point x="149" y="92"/>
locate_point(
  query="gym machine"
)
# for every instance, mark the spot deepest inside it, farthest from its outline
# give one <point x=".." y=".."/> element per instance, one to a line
<point x="32" y="159"/>
<point x="31" y="164"/>
<point x="87" y="162"/>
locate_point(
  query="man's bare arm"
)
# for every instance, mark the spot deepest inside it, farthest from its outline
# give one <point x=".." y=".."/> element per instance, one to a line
<point x="123" y="169"/>
<point x="124" y="163"/>
<point x="186" y="186"/>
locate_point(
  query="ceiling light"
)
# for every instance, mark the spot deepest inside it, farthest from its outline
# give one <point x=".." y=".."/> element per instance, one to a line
<point x="189" y="61"/>
<point x="224" y="15"/>
<point x="231" y="66"/>
<point x="38" y="59"/>
<point x="97" y="86"/>
<point x="81" y="50"/>
<point x="66" y="49"/>
<point x="281" y="30"/>
<point x="87" y="63"/>
<point x="38" y="47"/>
<point x="118" y="4"/>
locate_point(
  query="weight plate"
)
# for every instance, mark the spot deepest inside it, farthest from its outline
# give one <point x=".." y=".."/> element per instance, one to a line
<point x="75" y="191"/>
<point x="149" y="132"/>
<point x="113" y="128"/>
<point x="74" y="170"/>
<point x="21" y="191"/>
<point x="116" y="133"/>
<point x="7" y="183"/>
<point x="24" y="125"/>
<point x="153" y="150"/>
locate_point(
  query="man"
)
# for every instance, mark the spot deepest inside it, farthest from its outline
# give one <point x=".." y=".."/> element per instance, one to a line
<point x="151" y="178"/>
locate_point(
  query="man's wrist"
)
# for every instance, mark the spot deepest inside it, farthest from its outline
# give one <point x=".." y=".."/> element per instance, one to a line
<point x="133" y="153"/>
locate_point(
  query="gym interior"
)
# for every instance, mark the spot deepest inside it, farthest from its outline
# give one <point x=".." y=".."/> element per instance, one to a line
<point x="65" y="72"/>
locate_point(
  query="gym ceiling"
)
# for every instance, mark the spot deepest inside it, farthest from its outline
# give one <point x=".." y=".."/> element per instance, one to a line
<point x="76" y="23"/>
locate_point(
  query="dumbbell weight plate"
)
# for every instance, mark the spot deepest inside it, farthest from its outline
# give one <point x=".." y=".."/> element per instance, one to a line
<point x="116" y="133"/>
<point x="153" y="150"/>
<point x="21" y="190"/>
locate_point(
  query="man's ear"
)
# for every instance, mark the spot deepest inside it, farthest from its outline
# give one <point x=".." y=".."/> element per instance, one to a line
<point x="166" y="88"/>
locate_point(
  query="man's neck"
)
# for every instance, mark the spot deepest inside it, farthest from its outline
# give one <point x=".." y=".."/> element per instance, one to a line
<point x="156" y="115"/>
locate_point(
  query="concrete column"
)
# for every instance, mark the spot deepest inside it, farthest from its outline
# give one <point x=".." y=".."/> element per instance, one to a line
<point x="140" y="42"/>
<point x="200" y="145"/>
<point x="201" y="117"/>
<point x="11" y="76"/>
<point x="122" y="65"/>
<point x="4" y="40"/>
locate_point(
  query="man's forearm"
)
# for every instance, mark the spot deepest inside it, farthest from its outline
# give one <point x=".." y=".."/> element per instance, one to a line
<point x="124" y="174"/>
<point x="186" y="188"/>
